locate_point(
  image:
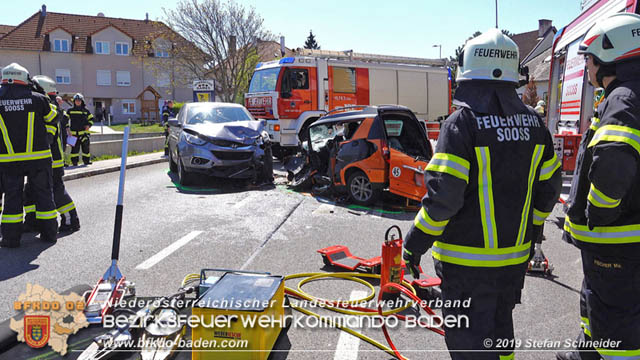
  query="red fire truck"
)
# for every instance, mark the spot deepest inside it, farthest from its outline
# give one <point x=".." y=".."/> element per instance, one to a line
<point x="293" y="92"/>
<point x="571" y="96"/>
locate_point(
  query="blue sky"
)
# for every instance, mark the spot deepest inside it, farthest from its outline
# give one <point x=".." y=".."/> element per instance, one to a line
<point x="401" y="27"/>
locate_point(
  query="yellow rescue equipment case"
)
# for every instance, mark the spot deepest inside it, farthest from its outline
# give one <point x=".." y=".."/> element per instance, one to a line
<point x="232" y="303"/>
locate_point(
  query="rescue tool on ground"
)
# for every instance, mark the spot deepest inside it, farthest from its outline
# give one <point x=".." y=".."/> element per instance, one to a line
<point x="112" y="285"/>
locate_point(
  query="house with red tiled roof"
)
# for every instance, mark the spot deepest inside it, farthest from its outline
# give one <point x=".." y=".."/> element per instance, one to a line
<point x="109" y="60"/>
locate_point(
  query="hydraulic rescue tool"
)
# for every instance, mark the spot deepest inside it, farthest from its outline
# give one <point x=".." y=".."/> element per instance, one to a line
<point x="160" y="318"/>
<point x="112" y="286"/>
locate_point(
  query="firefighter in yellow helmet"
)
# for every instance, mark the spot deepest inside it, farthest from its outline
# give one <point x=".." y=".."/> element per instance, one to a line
<point x="603" y="215"/>
<point x="491" y="183"/>
<point x="28" y="124"/>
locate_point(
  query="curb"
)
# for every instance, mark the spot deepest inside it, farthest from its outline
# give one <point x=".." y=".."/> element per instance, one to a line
<point x="109" y="169"/>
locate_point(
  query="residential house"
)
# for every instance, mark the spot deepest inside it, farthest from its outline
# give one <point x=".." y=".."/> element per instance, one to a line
<point x="535" y="51"/>
<point x="109" y="60"/>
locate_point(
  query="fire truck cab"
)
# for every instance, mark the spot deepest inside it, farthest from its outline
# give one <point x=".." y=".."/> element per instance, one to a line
<point x="293" y="92"/>
<point x="571" y="97"/>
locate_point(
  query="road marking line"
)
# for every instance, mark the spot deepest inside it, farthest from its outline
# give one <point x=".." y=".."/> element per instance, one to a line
<point x="168" y="250"/>
<point x="348" y="344"/>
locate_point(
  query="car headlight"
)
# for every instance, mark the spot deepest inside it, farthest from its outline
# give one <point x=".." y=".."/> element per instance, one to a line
<point x="193" y="140"/>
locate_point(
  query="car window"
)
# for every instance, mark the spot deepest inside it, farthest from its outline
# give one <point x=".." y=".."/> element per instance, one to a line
<point x="404" y="134"/>
<point x="218" y="114"/>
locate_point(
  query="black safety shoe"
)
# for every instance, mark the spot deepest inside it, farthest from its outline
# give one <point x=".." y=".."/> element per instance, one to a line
<point x="49" y="239"/>
<point x="575" y="355"/>
<point x="9" y="243"/>
<point x="73" y="227"/>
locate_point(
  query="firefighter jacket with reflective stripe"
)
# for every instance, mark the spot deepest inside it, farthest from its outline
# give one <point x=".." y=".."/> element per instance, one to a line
<point x="167" y="112"/>
<point x="27" y="125"/>
<point x="603" y="214"/>
<point x="79" y="117"/>
<point x="493" y="177"/>
<point x="57" y="150"/>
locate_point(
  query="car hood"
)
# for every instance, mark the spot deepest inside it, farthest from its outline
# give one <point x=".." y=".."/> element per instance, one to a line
<point x="237" y="131"/>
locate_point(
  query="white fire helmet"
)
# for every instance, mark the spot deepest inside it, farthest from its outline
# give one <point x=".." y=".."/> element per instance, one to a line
<point x="46" y="83"/>
<point x="14" y="73"/>
<point x="490" y="56"/>
<point x="613" y="39"/>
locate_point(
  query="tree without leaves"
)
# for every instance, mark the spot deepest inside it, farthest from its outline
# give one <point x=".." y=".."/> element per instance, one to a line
<point x="210" y="25"/>
<point x="311" y="42"/>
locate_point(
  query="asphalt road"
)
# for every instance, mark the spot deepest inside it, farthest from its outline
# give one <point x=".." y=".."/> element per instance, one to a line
<point x="274" y="230"/>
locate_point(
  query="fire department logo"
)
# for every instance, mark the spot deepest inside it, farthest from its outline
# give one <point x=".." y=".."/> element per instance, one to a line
<point x="36" y="330"/>
<point x="396" y="172"/>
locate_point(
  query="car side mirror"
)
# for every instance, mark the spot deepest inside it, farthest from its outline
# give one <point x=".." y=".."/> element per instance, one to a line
<point x="174" y="122"/>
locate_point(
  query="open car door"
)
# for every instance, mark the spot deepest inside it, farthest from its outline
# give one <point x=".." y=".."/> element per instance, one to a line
<point x="409" y="155"/>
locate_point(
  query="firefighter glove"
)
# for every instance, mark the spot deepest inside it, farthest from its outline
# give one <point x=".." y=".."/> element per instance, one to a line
<point x="412" y="262"/>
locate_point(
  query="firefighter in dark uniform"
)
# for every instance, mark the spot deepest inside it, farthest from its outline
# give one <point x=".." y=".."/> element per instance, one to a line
<point x="491" y="183"/>
<point x="80" y="122"/>
<point x="65" y="206"/>
<point x="167" y="112"/>
<point x="603" y="216"/>
<point x="27" y="120"/>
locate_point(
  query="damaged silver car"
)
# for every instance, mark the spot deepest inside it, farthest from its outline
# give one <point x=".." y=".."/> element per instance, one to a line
<point x="220" y="140"/>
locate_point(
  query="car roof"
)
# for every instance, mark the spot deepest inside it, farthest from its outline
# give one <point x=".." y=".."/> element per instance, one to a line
<point x="214" y="104"/>
<point x="361" y="113"/>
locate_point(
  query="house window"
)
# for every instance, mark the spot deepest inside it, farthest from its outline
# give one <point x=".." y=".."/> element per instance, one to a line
<point x="122" y="48"/>
<point x="163" y="80"/>
<point x="344" y="80"/>
<point x="103" y="77"/>
<point x="128" y="107"/>
<point x="61" y="45"/>
<point x="123" y="78"/>
<point x="102" y="47"/>
<point x="63" y="76"/>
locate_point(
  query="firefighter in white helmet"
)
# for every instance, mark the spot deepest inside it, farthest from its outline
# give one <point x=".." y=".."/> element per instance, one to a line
<point x="64" y="204"/>
<point x="28" y="124"/>
<point x="603" y="216"/>
<point x="491" y="183"/>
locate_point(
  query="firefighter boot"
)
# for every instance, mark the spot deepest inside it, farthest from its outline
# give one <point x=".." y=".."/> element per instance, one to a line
<point x="13" y="243"/>
<point x="30" y="223"/>
<point x="581" y="353"/>
<point x="69" y="222"/>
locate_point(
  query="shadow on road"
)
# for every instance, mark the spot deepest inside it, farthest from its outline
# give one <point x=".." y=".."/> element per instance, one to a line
<point x="17" y="261"/>
<point x="210" y="185"/>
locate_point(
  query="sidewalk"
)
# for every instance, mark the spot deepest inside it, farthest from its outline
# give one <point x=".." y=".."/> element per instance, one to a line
<point x="103" y="129"/>
<point x="111" y="165"/>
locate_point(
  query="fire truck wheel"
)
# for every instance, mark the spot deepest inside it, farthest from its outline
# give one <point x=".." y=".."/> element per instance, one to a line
<point x="361" y="190"/>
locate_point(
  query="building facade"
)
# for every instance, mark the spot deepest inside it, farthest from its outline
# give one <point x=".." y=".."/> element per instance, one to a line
<point x="109" y="60"/>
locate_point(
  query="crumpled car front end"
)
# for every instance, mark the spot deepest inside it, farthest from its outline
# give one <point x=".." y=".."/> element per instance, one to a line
<point x="238" y="150"/>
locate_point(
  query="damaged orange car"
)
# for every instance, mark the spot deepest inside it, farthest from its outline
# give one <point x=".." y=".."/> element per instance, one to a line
<point x="363" y="150"/>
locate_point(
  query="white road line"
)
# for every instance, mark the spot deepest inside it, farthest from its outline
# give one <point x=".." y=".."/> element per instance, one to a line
<point x="168" y="250"/>
<point x="348" y="344"/>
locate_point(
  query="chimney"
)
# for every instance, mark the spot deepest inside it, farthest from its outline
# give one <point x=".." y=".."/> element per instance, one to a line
<point x="232" y="45"/>
<point x="543" y="26"/>
<point x="146" y="19"/>
<point x="282" y="48"/>
<point x="43" y="12"/>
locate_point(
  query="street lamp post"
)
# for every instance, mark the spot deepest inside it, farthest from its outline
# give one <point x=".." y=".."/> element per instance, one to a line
<point x="440" y="47"/>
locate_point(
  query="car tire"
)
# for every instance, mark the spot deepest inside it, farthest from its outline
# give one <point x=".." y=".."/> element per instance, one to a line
<point x="361" y="189"/>
<point x="184" y="177"/>
<point x="172" y="164"/>
<point x="266" y="172"/>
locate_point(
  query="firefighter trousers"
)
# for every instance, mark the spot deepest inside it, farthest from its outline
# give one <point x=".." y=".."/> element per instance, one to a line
<point x="609" y="307"/>
<point x="482" y="305"/>
<point x="83" y="142"/>
<point x="61" y="198"/>
<point x="41" y="188"/>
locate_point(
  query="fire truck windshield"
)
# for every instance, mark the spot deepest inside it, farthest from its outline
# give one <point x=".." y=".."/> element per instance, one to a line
<point x="264" y="80"/>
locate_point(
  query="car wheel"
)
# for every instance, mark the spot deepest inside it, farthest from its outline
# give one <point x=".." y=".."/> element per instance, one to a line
<point x="184" y="177"/>
<point x="266" y="173"/>
<point x="361" y="189"/>
<point x="172" y="164"/>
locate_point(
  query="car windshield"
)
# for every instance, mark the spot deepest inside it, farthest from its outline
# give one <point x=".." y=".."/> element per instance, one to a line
<point x="320" y="134"/>
<point x="202" y="114"/>
<point x="264" y="80"/>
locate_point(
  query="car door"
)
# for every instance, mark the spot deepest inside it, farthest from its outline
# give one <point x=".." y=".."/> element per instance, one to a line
<point x="296" y="92"/>
<point x="409" y="154"/>
<point x="174" y="132"/>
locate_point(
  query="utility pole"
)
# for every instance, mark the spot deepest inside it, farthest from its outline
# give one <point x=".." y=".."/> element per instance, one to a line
<point x="496" y="14"/>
